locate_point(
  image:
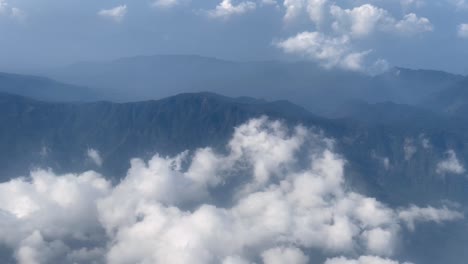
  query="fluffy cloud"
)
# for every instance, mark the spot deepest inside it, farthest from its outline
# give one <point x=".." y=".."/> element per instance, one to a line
<point x="412" y="24"/>
<point x="227" y="9"/>
<point x="116" y="14"/>
<point x="450" y="165"/>
<point x="293" y="9"/>
<point x="41" y="217"/>
<point x="274" y="195"/>
<point x="329" y="51"/>
<point x="94" y="156"/>
<point x="363" y="20"/>
<point x="314" y="8"/>
<point x="360" y="21"/>
<point x="336" y="48"/>
<point x="463" y="31"/>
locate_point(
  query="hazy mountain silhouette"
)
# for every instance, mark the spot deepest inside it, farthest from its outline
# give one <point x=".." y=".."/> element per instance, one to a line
<point x="43" y="88"/>
<point x="303" y="83"/>
<point x="452" y="101"/>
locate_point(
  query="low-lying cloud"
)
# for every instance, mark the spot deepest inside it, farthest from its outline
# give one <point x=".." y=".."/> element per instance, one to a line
<point x="277" y="195"/>
<point x="450" y="165"/>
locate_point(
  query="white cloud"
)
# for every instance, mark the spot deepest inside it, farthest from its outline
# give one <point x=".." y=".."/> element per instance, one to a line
<point x="364" y="20"/>
<point x="328" y="51"/>
<point x="293" y="9"/>
<point x="360" y="21"/>
<point x="463" y="31"/>
<point x="415" y="214"/>
<point x="258" y="200"/>
<point x="227" y="9"/>
<point x="39" y="214"/>
<point x="450" y="165"/>
<point x="314" y="8"/>
<point x="94" y="156"/>
<point x="363" y="260"/>
<point x="116" y="14"/>
<point x="412" y="24"/>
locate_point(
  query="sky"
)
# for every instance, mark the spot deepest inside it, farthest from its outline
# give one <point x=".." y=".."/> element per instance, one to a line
<point x="356" y="35"/>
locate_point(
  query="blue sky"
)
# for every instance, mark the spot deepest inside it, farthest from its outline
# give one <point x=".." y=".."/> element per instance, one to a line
<point x="358" y="35"/>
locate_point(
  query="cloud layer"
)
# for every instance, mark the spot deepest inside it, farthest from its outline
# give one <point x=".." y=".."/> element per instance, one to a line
<point x="274" y="197"/>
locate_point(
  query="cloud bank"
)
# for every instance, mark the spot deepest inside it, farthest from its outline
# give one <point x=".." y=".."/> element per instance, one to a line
<point x="277" y="195"/>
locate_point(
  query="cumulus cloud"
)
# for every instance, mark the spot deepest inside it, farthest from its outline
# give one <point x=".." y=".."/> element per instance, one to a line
<point x="328" y="51"/>
<point x="41" y="217"/>
<point x="463" y="31"/>
<point x="116" y="14"/>
<point x="227" y="9"/>
<point x="363" y="20"/>
<point x="450" y="165"/>
<point x="293" y="9"/>
<point x="94" y="156"/>
<point x="360" y="21"/>
<point x="315" y="9"/>
<point x="412" y="24"/>
<point x="274" y="195"/>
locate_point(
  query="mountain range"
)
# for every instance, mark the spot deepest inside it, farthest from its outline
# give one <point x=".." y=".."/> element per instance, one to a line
<point x="304" y="83"/>
<point x="402" y="133"/>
